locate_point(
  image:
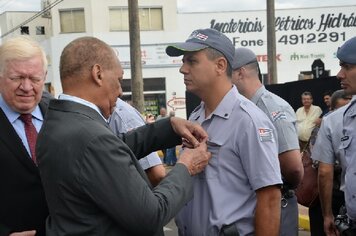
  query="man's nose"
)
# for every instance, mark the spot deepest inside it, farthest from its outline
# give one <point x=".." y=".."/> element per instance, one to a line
<point x="183" y="69"/>
<point x="26" y="84"/>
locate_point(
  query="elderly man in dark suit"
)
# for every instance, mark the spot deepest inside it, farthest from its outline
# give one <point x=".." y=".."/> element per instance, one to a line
<point x="23" y="207"/>
<point x="92" y="179"/>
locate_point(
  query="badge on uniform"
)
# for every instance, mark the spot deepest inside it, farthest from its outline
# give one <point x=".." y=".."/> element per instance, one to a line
<point x="278" y="115"/>
<point x="265" y="134"/>
<point x="344" y="138"/>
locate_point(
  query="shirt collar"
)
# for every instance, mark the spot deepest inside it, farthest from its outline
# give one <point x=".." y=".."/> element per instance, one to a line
<point x="12" y="115"/>
<point x="258" y="94"/>
<point x="224" y="108"/>
<point x="67" y="97"/>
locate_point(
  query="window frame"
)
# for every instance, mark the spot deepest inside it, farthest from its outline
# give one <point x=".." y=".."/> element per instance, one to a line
<point x="72" y="20"/>
<point x="150" y="26"/>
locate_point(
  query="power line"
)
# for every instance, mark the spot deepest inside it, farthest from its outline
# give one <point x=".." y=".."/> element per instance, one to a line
<point x="50" y="6"/>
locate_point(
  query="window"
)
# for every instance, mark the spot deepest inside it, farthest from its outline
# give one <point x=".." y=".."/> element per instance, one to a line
<point x="150" y="19"/>
<point x="25" y="30"/>
<point x="72" y="21"/>
<point x="119" y="19"/>
<point x="40" y="30"/>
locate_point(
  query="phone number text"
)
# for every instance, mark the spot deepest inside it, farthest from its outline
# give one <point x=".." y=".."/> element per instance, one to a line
<point x="312" y="38"/>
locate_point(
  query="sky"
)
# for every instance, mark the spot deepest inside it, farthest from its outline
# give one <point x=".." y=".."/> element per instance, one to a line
<point x="197" y="5"/>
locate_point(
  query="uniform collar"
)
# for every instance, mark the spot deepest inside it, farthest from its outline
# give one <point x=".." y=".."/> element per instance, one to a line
<point x="258" y="94"/>
<point x="223" y="110"/>
<point x="351" y="110"/>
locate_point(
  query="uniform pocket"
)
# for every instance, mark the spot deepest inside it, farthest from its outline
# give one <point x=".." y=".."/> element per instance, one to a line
<point x="345" y="142"/>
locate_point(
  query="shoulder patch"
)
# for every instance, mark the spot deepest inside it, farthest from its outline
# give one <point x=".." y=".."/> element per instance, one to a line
<point x="278" y="115"/>
<point x="265" y="134"/>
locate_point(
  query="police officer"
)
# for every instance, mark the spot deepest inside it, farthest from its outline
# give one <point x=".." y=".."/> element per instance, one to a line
<point x="332" y="165"/>
<point x="246" y="78"/>
<point x="347" y="75"/>
<point x="239" y="191"/>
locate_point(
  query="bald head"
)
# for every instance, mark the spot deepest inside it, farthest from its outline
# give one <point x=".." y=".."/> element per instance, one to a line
<point x="91" y="70"/>
<point x="79" y="56"/>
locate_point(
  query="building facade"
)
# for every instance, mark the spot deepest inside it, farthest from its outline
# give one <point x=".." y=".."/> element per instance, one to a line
<point x="302" y="36"/>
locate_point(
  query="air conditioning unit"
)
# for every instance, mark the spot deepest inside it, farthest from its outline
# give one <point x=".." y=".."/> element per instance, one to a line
<point x="44" y="5"/>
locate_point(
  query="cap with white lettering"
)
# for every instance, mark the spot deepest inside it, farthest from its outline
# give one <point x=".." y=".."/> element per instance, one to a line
<point x="203" y="38"/>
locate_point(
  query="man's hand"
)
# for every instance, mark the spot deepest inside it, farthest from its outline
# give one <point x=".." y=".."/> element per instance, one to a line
<point x="24" y="233"/>
<point x="330" y="227"/>
<point x="192" y="133"/>
<point x="195" y="159"/>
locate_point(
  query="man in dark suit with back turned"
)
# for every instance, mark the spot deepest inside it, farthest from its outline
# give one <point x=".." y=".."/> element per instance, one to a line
<point x="92" y="179"/>
<point x="23" y="68"/>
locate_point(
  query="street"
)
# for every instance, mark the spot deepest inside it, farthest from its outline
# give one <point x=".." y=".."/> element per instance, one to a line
<point x="171" y="230"/>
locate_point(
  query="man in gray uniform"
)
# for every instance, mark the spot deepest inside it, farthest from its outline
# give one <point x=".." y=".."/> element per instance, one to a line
<point x="246" y="78"/>
<point x="239" y="191"/>
<point x="326" y="151"/>
<point x="126" y="118"/>
<point x="347" y="75"/>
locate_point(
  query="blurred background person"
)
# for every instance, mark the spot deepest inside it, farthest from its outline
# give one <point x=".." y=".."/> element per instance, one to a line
<point x="307" y="116"/>
<point x="331" y="168"/>
<point x="126" y="118"/>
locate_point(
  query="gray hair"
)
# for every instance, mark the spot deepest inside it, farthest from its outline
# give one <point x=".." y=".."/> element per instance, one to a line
<point x="307" y="93"/>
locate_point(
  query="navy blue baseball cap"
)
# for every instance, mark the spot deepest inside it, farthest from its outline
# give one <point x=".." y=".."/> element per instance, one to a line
<point x="203" y="38"/>
<point x="347" y="52"/>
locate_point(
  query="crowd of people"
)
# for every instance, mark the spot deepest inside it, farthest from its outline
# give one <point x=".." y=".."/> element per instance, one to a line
<point x="86" y="163"/>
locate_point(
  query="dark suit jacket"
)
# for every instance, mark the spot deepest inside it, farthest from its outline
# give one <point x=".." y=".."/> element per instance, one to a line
<point x="22" y="200"/>
<point x="93" y="182"/>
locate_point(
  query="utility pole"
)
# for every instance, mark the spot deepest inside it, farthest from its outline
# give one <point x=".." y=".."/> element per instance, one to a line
<point x="271" y="43"/>
<point x="135" y="56"/>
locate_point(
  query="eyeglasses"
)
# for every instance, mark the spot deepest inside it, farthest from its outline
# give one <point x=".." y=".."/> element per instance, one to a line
<point x="21" y="79"/>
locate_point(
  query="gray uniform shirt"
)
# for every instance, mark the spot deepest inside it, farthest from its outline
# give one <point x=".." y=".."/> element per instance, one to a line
<point x="348" y="144"/>
<point x="327" y="146"/>
<point x="244" y="159"/>
<point x="282" y="116"/>
<point x="284" y="120"/>
<point x="126" y="118"/>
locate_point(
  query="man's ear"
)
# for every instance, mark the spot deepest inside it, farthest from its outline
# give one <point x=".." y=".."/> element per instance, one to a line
<point x="242" y="72"/>
<point x="221" y="65"/>
<point x="96" y="74"/>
